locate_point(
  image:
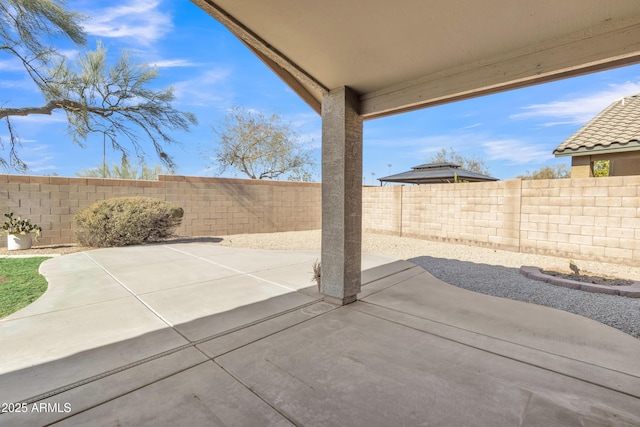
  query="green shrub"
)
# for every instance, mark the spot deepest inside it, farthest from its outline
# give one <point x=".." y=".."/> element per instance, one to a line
<point x="126" y="221"/>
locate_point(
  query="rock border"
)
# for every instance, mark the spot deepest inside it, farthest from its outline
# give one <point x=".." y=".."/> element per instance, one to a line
<point x="535" y="273"/>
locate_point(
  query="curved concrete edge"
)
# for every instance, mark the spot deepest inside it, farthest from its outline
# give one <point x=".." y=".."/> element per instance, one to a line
<point x="535" y="273"/>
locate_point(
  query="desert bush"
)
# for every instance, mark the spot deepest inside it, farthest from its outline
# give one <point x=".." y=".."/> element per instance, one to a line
<point x="126" y="221"/>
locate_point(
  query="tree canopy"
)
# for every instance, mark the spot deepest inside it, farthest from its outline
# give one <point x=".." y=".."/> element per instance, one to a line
<point x="601" y="168"/>
<point x="261" y="146"/>
<point x="449" y="155"/>
<point x="114" y="100"/>
<point x="548" y="172"/>
<point x="125" y="170"/>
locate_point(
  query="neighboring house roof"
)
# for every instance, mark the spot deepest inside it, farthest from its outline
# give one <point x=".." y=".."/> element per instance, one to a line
<point x="436" y="173"/>
<point x="615" y="129"/>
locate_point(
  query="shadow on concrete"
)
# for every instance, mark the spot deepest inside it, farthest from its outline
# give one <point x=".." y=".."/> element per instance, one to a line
<point x="379" y="361"/>
<point x="612" y="310"/>
<point x="76" y="383"/>
<point x="189" y="240"/>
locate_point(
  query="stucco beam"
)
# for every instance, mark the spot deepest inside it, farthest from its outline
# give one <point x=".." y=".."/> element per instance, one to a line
<point x="614" y="44"/>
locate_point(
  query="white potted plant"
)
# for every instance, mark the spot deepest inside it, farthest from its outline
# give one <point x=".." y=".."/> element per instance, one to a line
<point x="20" y="232"/>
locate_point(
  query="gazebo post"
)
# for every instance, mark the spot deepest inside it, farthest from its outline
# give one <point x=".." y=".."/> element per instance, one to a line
<point x="341" y="196"/>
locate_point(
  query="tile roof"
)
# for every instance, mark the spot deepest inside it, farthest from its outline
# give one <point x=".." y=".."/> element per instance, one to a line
<point x="436" y="173"/>
<point x="615" y="129"/>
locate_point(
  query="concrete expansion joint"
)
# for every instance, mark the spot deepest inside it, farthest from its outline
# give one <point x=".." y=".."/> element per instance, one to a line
<point x="244" y="273"/>
<point x="136" y="296"/>
<point x="255" y="393"/>
<point x="190" y="344"/>
<point x="493" y="349"/>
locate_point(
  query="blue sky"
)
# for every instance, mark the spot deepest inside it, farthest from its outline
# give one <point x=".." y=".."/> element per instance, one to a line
<point x="210" y="71"/>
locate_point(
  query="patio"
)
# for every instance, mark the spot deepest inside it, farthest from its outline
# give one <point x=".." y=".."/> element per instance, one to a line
<point x="241" y="337"/>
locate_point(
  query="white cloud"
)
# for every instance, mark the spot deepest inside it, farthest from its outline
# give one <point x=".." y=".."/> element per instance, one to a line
<point x="41" y="119"/>
<point x="475" y="125"/>
<point x="136" y="19"/>
<point x="172" y="63"/>
<point x="425" y="144"/>
<point x="516" y="151"/>
<point x="70" y="54"/>
<point x="11" y="65"/>
<point x="37" y="156"/>
<point x="578" y="110"/>
<point x="40" y="165"/>
<point x="481" y="146"/>
<point x="22" y="84"/>
<point x="7" y="137"/>
<point x="205" y="89"/>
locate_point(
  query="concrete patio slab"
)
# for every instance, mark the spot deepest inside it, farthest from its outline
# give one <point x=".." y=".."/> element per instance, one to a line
<point x="609" y="378"/>
<point x="88" y="395"/>
<point x="260" y="347"/>
<point x="262" y="260"/>
<point x="133" y="256"/>
<point x="547" y="329"/>
<point x="210" y="308"/>
<point x="360" y="370"/>
<point x="167" y="275"/>
<point x="204" y="395"/>
<point x="203" y="250"/>
<point x="225" y="343"/>
<point x="50" y="375"/>
<point x="64" y="291"/>
<point x="51" y="336"/>
<point x="69" y="264"/>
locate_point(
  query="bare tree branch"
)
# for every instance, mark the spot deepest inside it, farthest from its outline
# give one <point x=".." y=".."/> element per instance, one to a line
<point x="113" y="100"/>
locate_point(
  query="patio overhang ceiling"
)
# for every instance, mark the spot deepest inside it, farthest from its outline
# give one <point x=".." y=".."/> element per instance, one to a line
<point x="401" y="56"/>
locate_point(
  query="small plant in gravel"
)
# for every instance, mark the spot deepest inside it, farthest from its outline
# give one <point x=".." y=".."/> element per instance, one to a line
<point x="316" y="266"/>
<point x="17" y="225"/>
<point x="126" y="221"/>
<point x="574" y="267"/>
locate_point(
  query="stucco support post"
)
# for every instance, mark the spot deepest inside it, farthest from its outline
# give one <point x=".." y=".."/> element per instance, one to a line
<point x="341" y="196"/>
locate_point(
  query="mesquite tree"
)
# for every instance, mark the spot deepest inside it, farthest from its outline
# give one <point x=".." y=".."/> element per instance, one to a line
<point x="114" y="100"/>
<point x="260" y="146"/>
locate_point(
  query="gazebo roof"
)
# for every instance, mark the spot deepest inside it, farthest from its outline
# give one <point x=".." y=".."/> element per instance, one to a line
<point x="433" y="173"/>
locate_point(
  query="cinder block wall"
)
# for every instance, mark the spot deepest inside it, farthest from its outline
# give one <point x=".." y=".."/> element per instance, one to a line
<point x="586" y="218"/>
<point x="382" y="209"/>
<point x="590" y="218"/>
<point x="213" y="206"/>
<point x="484" y="214"/>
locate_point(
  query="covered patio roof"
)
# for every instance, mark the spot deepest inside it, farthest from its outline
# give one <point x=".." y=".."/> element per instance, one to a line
<point x="408" y="55"/>
<point x="353" y="60"/>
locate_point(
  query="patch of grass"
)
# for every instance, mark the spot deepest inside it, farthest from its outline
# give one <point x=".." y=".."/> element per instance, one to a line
<point x="20" y="283"/>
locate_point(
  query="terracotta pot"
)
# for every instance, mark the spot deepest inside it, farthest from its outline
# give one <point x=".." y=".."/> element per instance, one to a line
<point x="17" y="242"/>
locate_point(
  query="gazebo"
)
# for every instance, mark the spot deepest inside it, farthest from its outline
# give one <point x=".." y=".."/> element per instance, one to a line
<point x="436" y="173"/>
<point x="352" y="61"/>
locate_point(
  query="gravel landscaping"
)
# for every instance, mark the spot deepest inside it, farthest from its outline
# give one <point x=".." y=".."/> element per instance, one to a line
<point x="488" y="271"/>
